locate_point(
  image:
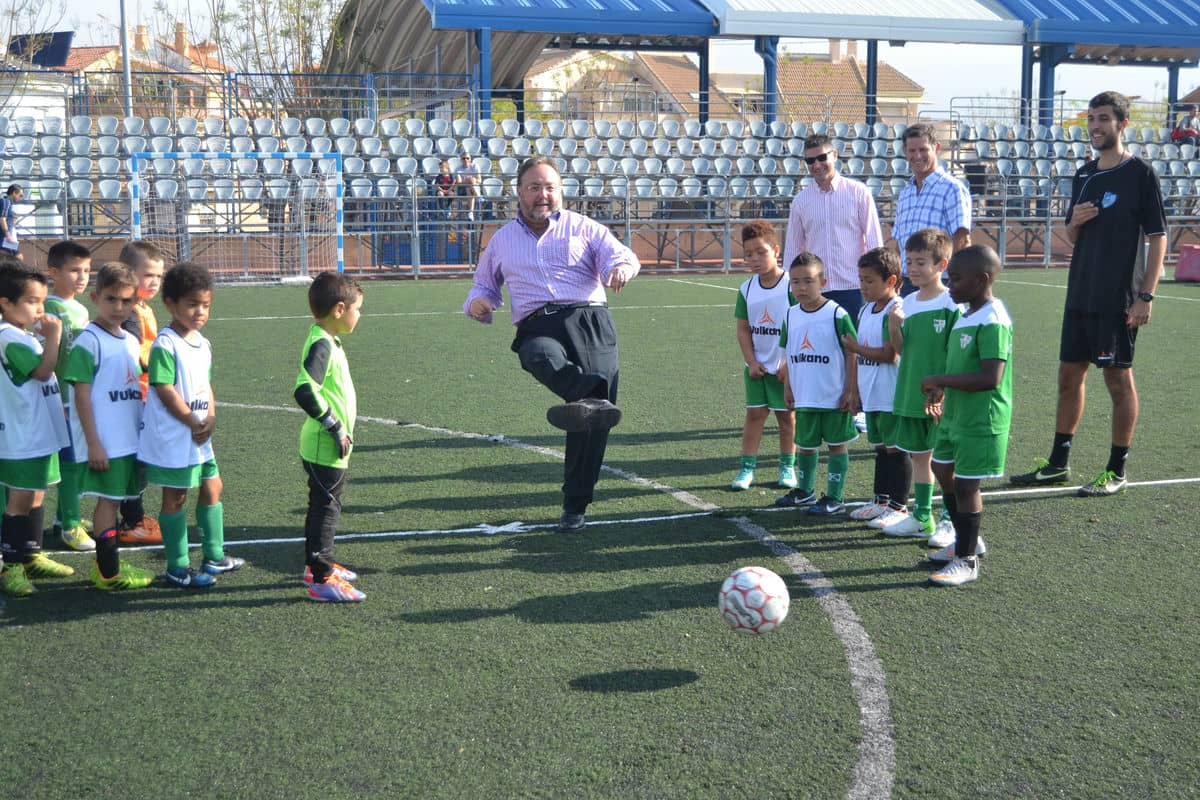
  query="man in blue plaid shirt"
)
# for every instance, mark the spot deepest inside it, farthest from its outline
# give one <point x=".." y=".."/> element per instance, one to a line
<point x="932" y="198"/>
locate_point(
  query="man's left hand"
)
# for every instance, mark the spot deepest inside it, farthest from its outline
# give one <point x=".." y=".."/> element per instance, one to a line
<point x="1138" y="314"/>
<point x="618" y="278"/>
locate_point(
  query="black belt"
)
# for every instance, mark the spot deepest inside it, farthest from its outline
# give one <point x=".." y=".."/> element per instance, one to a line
<point x="553" y="308"/>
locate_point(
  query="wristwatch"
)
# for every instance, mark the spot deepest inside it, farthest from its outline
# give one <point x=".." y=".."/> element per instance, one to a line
<point x="1145" y="297"/>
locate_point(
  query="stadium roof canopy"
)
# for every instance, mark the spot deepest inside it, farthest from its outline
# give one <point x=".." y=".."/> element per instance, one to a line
<point x="886" y="20"/>
<point x="428" y="35"/>
<point x="1142" y="24"/>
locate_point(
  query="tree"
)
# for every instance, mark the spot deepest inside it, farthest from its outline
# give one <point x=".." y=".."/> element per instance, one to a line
<point x="36" y="20"/>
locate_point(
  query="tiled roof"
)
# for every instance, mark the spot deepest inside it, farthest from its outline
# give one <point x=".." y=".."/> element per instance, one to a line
<point x="80" y="58"/>
<point x="812" y="86"/>
<point x="681" y="79"/>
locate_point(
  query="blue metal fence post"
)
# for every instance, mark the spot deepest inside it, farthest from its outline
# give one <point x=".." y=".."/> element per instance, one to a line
<point x="703" y="53"/>
<point x="1172" y="93"/>
<point x="872" y="87"/>
<point x="767" y="48"/>
<point x="1026" y="82"/>
<point x="483" y="41"/>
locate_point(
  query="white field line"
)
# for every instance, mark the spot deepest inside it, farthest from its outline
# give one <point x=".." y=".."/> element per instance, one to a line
<point x="874" y="773"/>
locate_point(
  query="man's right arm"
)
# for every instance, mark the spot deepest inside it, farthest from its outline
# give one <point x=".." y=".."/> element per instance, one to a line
<point x="484" y="297"/>
<point x="793" y="237"/>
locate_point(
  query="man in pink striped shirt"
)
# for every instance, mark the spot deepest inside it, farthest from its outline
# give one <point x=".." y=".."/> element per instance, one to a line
<point x="835" y="218"/>
<point x="556" y="264"/>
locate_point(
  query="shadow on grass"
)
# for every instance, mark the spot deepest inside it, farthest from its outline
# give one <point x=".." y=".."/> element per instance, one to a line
<point x="626" y="604"/>
<point x="633" y="680"/>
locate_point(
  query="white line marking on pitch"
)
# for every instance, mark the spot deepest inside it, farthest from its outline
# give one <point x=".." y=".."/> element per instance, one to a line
<point x="875" y="771"/>
<point x="705" y="285"/>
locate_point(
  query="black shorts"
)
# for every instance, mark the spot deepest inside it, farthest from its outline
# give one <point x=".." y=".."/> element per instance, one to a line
<point x="1103" y="339"/>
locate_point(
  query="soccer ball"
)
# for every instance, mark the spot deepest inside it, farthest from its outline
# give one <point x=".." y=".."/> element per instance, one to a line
<point x="753" y="600"/>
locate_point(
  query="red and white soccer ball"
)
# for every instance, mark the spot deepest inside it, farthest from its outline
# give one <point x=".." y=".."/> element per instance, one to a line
<point x="754" y="600"/>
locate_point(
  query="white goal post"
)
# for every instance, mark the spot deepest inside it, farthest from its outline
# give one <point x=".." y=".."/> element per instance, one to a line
<point x="244" y="215"/>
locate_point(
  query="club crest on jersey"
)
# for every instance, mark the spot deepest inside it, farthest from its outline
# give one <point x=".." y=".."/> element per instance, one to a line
<point x="1108" y="200"/>
<point x="765" y="325"/>
<point x="808" y="358"/>
<point x="964" y="340"/>
<point x="939" y="325"/>
<point x="806" y="344"/>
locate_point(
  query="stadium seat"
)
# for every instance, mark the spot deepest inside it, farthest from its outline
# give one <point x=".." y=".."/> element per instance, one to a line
<point x="471" y="145"/>
<point x="216" y="144"/>
<point x="196" y="189"/>
<point x="315" y="126"/>
<point x="159" y="126"/>
<point x="278" y="188"/>
<point x="774" y="147"/>
<point x="508" y="165"/>
<point x="219" y="166"/>
<point x="161" y="144"/>
<point x="629" y="166"/>
<point x="354" y="165"/>
<point x="768" y="165"/>
<point x="521" y="147"/>
<point x="346" y="145"/>
<point x="900" y="166"/>
<point x="534" y="128"/>
<point x="398" y="146"/>
<point x="593" y="187"/>
<point x="361" y="188"/>
<point x="223" y="189"/>
<point x="647" y="128"/>
<point x="746" y="165"/>
<point x="79" y="165"/>
<point x="166" y="188"/>
<point x="762" y="187"/>
<point x="581" y="165"/>
<point x="691" y="186"/>
<point x="108" y="126"/>
<point x="302" y="166"/>
<point x="388" y="187"/>
<point x="667" y="187"/>
<point x="686" y="147"/>
<point x="80" y="145"/>
<point x="570" y="187"/>
<point x="875" y="185"/>
<point x="615" y="146"/>
<point x="109" y="166"/>
<point x="414" y="126"/>
<point x="492" y="187"/>
<point x="110" y="189"/>
<point x="739" y="187"/>
<point x="190" y="144"/>
<point x="606" y="165"/>
<point x="1019" y="149"/>
<point x="389" y="126"/>
<point x="497" y="146"/>
<point x="319" y="144"/>
<point x="556" y="128"/>
<point x="510" y="128"/>
<point x="81" y="125"/>
<point x="670" y="128"/>
<point x="20" y="166"/>
<point x="643" y="187"/>
<point x="544" y="146"/>
<point x="779" y="129"/>
<point x="580" y="128"/>
<point x="879" y="167"/>
<point x="133" y="126"/>
<point x="792" y="166"/>
<point x="603" y="128"/>
<point x="752" y="147"/>
<point x="652" y="166"/>
<point x="243" y="166"/>
<point x="722" y="165"/>
<point x="785" y="186"/>
<point x="52" y="144"/>
<point x="879" y="148"/>
<point x="701" y="166"/>
<point x="80" y="189"/>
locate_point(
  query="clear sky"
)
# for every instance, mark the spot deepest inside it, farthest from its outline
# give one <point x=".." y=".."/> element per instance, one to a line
<point x="946" y="71"/>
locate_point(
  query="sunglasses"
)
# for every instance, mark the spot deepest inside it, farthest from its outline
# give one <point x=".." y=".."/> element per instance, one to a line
<point x="821" y="158"/>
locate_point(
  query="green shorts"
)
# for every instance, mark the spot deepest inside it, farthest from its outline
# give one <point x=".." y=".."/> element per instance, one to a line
<point x="816" y="425"/>
<point x="881" y="428"/>
<point x="122" y="480"/>
<point x="182" y="477"/>
<point x="974" y="455"/>
<point x="916" y="434"/>
<point x="765" y="391"/>
<point x="29" y="474"/>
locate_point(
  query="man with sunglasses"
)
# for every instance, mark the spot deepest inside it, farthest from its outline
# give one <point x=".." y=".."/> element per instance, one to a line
<point x="932" y="198"/>
<point x="835" y="218"/>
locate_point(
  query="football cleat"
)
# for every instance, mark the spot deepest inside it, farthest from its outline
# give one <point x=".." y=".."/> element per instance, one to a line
<point x="188" y="578"/>
<point x="869" y="511"/>
<point x="42" y="566"/>
<point x="1043" y="474"/>
<point x="943" y="534"/>
<point x="145" y="532"/>
<point x="226" y="564"/>
<point x="127" y="577"/>
<point x="910" y="528"/>
<point x="77" y="538"/>
<point x="1105" y="484"/>
<point x="14" y="582"/>
<point x="957" y="572"/>
<point x="787" y="478"/>
<point x="335" y="590"/>
<point x="946" y="554"/>
<point x="742" y="480"/>
<point x="891" y="517"/>
<point x="827" y="507"/>
<point x="796" y="498"/>
<point x="338" y="569"/>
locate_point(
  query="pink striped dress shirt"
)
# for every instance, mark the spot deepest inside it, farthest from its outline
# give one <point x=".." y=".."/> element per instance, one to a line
<point x="838" y="225"/>
<point x="569" y="263"/>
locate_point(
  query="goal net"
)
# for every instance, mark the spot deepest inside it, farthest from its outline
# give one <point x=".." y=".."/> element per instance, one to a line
<point x="244" y="216"/>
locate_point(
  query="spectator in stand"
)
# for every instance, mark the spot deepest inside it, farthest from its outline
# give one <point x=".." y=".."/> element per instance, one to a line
<point x="1187" y="129"/>
<point x="444" y="182"/>
<point x="468" y="181"/>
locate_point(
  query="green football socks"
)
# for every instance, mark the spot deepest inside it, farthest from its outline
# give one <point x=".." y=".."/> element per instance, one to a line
<point x="211" y="520"/>
<point x="806" y="470"/>
<point x="67" y="511"/>
<point x="174" y="534"/>
<point x="839" y="465"/>
<point x="922" y="501"/>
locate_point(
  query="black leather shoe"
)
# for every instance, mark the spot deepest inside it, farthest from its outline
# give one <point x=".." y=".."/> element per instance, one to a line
<point x="588" y="414"/>
<point x="570" y="522"/>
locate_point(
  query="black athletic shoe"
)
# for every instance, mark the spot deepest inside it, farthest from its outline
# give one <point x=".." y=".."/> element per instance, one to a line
<point x="1043" y="475"/>
<point x="796" y="498"/>
<point x="570" y="522"/>
<point x="588" y="414"/>
<point x="827" y="507"/>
